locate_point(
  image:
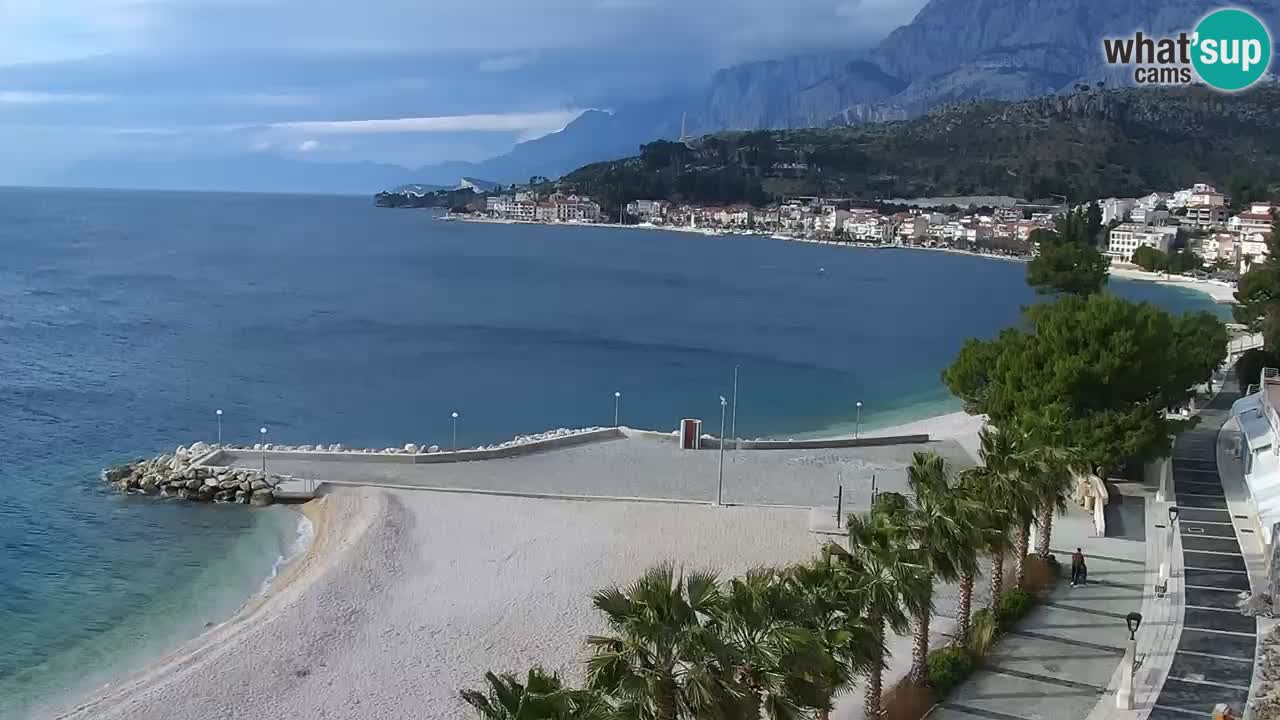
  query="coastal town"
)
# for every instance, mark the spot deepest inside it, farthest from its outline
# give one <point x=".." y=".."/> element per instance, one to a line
<point x="1221" y="239"/>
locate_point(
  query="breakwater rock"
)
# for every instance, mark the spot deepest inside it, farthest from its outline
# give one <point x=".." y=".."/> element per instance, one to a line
<point x="407" y="448"/>
<point x="176" y="475"/>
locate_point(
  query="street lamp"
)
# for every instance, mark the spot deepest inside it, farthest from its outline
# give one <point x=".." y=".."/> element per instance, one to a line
<point x="455" y="430"/>
<point x="734" y="427"/>
<point x="1166" y="564"/>
<point x="1124" y="693"/>
<point x="857" y="424"/>
<point x="219" y="414"/>
<point x="720" y="481"/>
<point x="1134" y="621"/>
<point x="263" y="432"/>
<point x="617" y="400"/>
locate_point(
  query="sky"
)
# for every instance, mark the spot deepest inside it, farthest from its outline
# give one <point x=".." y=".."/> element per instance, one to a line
<point x="393" y="81"/>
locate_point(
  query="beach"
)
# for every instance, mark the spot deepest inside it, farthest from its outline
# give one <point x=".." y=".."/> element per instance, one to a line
<point x="406" y="597"/>
<point x="1220" y="292"/>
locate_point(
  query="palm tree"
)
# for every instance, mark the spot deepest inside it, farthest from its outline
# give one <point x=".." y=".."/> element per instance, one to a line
<point x="937" y="524"/>
<point x="664" y="659"/>
<point x="829" y="608"/>
<point x="1002" y="480"/>
<point x="1053" y="465"/>
<point x="541" y="697"/>
<point x="990" y="524"/>
<point x="884" y="574"/>
<point x="774" y="657"/>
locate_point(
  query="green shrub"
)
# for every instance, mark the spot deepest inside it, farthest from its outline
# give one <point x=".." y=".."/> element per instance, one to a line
<point x="983" y="633"/>
<point x="948" y="667"/>
<point x="1014" y="605"/>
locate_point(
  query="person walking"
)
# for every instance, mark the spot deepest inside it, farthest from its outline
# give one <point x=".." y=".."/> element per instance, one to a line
<point x="1078" y="569"/>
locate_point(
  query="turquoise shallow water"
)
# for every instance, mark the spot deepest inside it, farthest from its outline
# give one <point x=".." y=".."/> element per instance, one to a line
<point x="126" y="319"/>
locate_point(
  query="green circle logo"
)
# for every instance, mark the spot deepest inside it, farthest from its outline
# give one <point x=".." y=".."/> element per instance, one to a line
<point x="1232" y="49"/>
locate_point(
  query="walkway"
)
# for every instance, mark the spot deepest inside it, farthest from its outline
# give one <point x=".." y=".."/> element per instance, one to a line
<point x="637" y="468"/>
<point x="1060" y="660"/>
<point x="1196" y="648"/>
<point x="1213" y="662"/>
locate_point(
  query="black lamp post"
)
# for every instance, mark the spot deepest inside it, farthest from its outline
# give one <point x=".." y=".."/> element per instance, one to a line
<point x="1133" y="620"/>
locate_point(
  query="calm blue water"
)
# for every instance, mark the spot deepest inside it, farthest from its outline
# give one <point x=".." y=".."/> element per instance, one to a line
<point x="126" y="319"/>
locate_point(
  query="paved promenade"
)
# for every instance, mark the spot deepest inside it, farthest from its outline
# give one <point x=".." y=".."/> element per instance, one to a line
<point x="1213" y="662"/>
<point x="1194" y="648"/>
<point x="1060" y="660"/>
<point x="642" y="468"/>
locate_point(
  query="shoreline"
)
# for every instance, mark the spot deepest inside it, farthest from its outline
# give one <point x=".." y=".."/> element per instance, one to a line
<point x="1220" y="293"/>
<point x="316" y="517"/>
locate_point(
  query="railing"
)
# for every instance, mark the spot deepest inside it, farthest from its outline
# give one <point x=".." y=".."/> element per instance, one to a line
<point x="1270" y="377"/>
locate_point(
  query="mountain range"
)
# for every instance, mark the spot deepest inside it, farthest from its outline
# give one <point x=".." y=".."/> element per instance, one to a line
<point x="1091" y="143"/>
<point x="953" y="50"/>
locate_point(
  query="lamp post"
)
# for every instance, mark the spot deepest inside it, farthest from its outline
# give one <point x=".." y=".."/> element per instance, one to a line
<point x="1166" y="563"/>
<point x="720" y="480"/>
<point x="455" y="430"/>
<point x="1124" y="693"/>
<point x="219" y="414"/>
<point x="263" y="432"/>
<point x="733" y="428"/>
<point x="617" y="400"/>
<point x="857" y="423"/>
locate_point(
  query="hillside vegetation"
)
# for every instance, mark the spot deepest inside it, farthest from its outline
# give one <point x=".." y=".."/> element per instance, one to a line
<point x="1093" y="143"/>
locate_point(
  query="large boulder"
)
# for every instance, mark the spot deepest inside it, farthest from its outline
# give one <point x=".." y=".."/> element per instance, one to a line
<point x="230" y="483"/>
<point x="259" y="484"/>
<point x="194" y="484"/>
<point x="261" y="498"/>
<point x="211" y="482"/>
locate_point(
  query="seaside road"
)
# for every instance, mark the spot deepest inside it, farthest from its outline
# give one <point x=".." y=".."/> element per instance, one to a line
<point x="642" y="468"/>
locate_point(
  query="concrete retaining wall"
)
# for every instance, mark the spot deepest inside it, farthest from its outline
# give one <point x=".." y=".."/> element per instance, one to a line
<point x="714" y="443"/>
<point x="563" y="441"/>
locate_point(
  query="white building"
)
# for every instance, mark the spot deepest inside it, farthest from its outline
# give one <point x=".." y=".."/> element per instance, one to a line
<point x="1252" y="249"/>
<point x="1250" y="222"/>
<point x="1128" y="237"/>
<point x="646" y="210"/>
<point x="1116" y="209"/>
<point x="576" y="209"/>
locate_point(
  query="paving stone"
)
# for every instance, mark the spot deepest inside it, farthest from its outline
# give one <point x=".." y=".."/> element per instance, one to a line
<point x="1198" y="697"/>
<point x="1230" y="620"/>
<point x="1235" y="646"/>
<point x="1213" y="561"/>
<point x="1225" y="599"/>
<point x="1198" y="667"/>
<point x="1199" y="501"/>
<point x="1197" y="542"/>
<point x="1195" y="487"/>
<point x="1208" y="578"/>
<point x="1193" y="514"/>
<point x="1196" y="529"/>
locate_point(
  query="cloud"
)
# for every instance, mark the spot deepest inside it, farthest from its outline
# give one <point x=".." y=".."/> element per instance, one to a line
<point x="543" y="122"/>
<point x="308" y="145"/>
<point x="27" y="97"/>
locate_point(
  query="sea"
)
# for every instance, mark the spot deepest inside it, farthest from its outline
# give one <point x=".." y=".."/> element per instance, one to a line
<point x="127" y="319"/>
